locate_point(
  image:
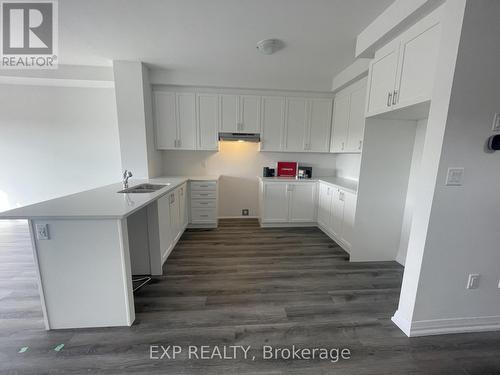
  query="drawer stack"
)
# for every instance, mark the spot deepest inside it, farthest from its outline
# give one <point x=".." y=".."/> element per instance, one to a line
<point x="203" y="203"/>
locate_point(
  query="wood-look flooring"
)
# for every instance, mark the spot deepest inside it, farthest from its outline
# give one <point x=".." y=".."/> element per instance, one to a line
<point x="237" y="285"/>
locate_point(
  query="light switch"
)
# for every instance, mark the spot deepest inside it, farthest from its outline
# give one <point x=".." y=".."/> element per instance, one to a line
<point x="454" y="176"/>
<point x="473" y="281"/>
<point x="496" y="122"/>
<point x="42" y="231"/>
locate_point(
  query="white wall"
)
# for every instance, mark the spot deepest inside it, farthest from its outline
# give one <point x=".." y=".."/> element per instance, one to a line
<point x="411" y="194"/>
<point x="239" y="164"/>
<point x="383" y="183"/>
<point x="463" y="233"/>
<point x="55" y="141"/>
<point x="135" y="119"/>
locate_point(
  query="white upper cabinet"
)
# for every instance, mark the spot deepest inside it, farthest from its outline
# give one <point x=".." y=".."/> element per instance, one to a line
<point x="273" y="123"/>
<point x="320" y="121"/>
<point x="402" y="72"/>
<point x="340" y="122"/>
<point x="186" y="121"/>
<point x="356" y="128"/>
<point x="165" y="120"/>
<point x="230" y="113"/>
<point x="208" y="121"/>
<point x="240" y="114"/>
<point x="418" y="56"/>
<point x="348" y="123"/>
<point x="296" y="124"/>
<point x="382" y="78"/>
<point x="249" y="114"/>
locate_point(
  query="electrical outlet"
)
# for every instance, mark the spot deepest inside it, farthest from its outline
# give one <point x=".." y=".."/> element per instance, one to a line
<point x="42" y="231"/>
<point x="498" y="284"/>
<point x="496" y="122"/>
<point x="454" y="176"/>
<point x="244" y="212"/>
<point x="473" y="281"/>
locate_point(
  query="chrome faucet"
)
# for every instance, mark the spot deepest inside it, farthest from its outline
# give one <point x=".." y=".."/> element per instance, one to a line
<point x="126" y="176"/>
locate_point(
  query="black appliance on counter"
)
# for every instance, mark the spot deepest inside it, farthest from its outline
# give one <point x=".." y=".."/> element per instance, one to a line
<point x="268" y="172"/>
<point x="304" y="172"/>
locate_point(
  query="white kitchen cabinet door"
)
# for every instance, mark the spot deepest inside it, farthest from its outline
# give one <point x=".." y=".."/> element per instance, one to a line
<point x="249" y="114"/>
<point x="164" y="225"/>
<point x="350" y="200"/>
<point x="320" y="123"/>
<point x="340" y="123"/>
<point x="324" y="204"/>
<point x="417" y="61"/>
<point x="337" y="214"/>
<point x="273" y="123"/>
<point x="208" y="121"/>
<point x="356" y="127"/>
<point x="295" y="124"/>
<point x="165" y="120"/>
<point x="175" y="224"/>
<point x="382" y="79"/>
<point x="302" y="202"/>
<point x="274" y="202"/>
<point x="183" y="206"/>
<point x="229" y="113"/>
<point x="186" y="121"/>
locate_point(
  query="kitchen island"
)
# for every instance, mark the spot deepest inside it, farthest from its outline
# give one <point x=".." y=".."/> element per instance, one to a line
<point x="88" y="245"/>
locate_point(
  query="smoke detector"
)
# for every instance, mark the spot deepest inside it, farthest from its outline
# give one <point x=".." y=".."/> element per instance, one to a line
<point x="269" y="46"/>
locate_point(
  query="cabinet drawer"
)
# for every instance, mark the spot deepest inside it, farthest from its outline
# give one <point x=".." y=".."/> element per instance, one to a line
<point x="203" y="215"/>
<point x="203" y="194"/>
<point x="203" y="203"/>
<point x="203" y="185"/>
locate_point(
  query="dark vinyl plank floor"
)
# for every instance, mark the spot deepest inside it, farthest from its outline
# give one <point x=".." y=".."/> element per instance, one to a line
<point x="237" y="285"/>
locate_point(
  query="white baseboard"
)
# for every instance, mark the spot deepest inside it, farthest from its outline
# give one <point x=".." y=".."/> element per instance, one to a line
<point x="447" y="326"/>
<point x="338" y="241"/>
<point x="238" y="217"/>
<point x="286" y="225"/>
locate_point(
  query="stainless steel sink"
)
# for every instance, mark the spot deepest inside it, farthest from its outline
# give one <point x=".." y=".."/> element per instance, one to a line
<point x="143" y="188"/>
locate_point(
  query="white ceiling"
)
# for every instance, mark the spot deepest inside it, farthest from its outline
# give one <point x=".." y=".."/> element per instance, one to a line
<point x="213" y="41"/>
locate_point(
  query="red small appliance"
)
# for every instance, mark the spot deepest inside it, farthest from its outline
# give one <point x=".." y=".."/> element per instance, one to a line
<point x="287" y="169"/>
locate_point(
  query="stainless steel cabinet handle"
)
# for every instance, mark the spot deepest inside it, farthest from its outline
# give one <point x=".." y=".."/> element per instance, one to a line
<point x="360" y="144"/>
<point x="204" y="215"/>
<point x="394" y="97"/>
<point x="343" y="145"/>
<point x="389" y="98"/>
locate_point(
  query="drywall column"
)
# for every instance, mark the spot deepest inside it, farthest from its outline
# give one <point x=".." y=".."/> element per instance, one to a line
<point x="135" y="119"/>
<point x="383" y="182"/>
<point x="455" y="228"/>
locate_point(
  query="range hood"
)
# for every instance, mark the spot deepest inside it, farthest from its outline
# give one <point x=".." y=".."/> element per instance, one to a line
<point x="242" y="137"/>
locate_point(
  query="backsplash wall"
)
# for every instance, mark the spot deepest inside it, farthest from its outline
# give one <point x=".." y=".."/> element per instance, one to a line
<point x="239" y="164"/>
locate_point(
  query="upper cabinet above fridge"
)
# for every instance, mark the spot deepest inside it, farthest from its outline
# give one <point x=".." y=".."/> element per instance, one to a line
<point x="402" y="72"/>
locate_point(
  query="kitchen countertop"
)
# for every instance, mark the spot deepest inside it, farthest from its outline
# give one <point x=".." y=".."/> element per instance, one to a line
<point x="344" y="183"/>
<point x="101" y="203"/>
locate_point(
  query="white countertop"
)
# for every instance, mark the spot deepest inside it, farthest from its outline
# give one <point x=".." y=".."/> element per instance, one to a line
<point x="344" y="183"/>
<point x="101" y="203"/>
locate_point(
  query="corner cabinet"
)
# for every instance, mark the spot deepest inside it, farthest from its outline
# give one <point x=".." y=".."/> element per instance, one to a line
<point x="287" y="203"/>
<point x="348" y="124"/>
<point x="186" y="121"/>
<point x="402" y="72"/>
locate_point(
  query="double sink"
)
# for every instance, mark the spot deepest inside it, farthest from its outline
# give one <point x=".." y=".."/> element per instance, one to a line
<point x="143" y="188"/>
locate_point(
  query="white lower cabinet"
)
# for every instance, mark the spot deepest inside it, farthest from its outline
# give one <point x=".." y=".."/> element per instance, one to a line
<point x="172" y="220"/>
<point x="203" y="201"/>
<point x="336" y="213"/>
<point x="332" y="208"/>
<point x="283" y="202"/>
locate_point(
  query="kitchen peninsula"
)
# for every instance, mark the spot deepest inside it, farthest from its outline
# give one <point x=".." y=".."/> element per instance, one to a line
<point x="88" y="245"/>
